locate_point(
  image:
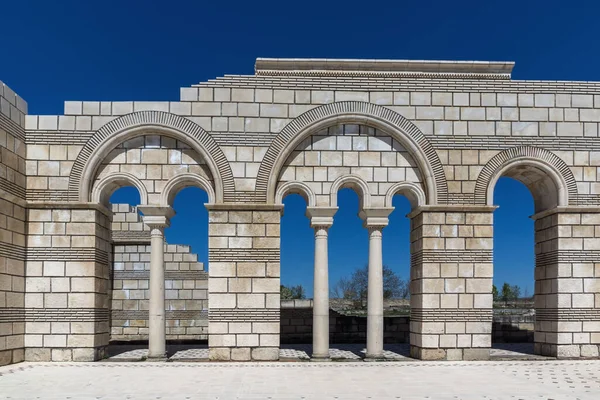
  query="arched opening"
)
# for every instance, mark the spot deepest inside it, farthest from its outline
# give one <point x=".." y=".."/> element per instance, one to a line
<point x="348" y="274"/>
<point x="128" y="283"/>
<point x="521" y="189"/>
<point x="297" y="274"/>
<point x="166" y="173"/>
<point x="186" y="276"/>
<point x="396" y="276"/>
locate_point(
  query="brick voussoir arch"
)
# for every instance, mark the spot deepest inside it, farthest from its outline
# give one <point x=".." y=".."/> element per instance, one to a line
<point x="556" y="167"/>
<point x="374" y="115"/>
<point x="138" y="123"/>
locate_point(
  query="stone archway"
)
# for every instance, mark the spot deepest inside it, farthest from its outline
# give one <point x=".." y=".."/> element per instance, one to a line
<point x="137" y="124"/>
<point x="550" y="180"/>
<point x="361" y="113"/>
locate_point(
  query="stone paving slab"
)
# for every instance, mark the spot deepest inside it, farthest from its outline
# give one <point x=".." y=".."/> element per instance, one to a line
<point x="414" y="380"/>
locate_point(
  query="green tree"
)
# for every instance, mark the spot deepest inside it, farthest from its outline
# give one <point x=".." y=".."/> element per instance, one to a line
<point x="516" y="292"/>
<point x="510" y="293"/>
<point x="495" y="293"/>
<point x="292" y="292"/>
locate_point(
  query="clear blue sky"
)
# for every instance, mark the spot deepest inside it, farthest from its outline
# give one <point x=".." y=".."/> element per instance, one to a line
<point x="145" y="50"/>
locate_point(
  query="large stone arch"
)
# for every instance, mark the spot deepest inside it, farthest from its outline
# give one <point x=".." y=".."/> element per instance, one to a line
<point x="535" y="161"/>
<point x="356" y="112"/>
<point x="137" y="124"/>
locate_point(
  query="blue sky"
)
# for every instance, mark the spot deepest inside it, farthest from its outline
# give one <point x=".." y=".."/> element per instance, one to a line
<point x="145" y="50"/>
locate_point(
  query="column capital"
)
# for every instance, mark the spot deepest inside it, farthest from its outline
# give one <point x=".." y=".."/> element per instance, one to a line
<point x="375" y="217"/>
<point x="321" y="216"/>
<point x="157" y="216"/>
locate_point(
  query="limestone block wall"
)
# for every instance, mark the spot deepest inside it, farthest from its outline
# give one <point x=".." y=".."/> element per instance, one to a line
<point x="12" y="226"/>
<point x="244" y="281"/>
<point x="454" y="129"/>
<point x="68" y="258"/>
<point x="186" y="284"/>
<point x="451" y="284"/>
<point x="342" y="150"/>
<point x="567" y="275"/>
<point x="153" y="159"/>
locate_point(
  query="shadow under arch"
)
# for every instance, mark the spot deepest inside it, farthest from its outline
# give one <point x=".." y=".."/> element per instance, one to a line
<point x="353" y="112"/>
<point x="182" y="181"/>
<point x="140" y="123"/>
<point x="354" y="182"/>
<point x="299" y="188"/>
<point x="105" y="187"/>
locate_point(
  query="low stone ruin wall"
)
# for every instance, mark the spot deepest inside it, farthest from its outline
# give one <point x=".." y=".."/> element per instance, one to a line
<point x="186" y="284"/>
<point x="510" y="325"/>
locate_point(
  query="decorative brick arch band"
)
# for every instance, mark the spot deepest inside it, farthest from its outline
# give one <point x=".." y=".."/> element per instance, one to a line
<point x="139" y="123"/>
<point x="392" y="123"/>
<point x="526" y="156"/>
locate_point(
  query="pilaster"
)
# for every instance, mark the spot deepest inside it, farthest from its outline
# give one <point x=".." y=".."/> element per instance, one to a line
<point x="451" y="282"/>
<point x="567" y="288"/>
<point x="244" y="281"/>
<point x="67" y="266"/>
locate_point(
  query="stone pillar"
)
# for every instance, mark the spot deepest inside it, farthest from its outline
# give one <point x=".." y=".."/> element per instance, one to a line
<point x="567" y="282"/>
<point x="321" y="220"/>
<point x="451" y="282"/>
<point x="375" y="219"/>
<point x="157" y="219"/>
<point x="244" y="284"/>
<point x="68" y="264"/>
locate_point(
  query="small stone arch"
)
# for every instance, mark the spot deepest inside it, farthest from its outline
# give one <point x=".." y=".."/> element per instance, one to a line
<point x="354" y="182"/>
<point x="413" y="192"/>
<point x="137" y="124"/>
<point x="394" y="124"/>
<point x="105" y="187"/>
<point x="294" y="187"/>
<point x="555" y="184"/>
<point x="178" y="182"/>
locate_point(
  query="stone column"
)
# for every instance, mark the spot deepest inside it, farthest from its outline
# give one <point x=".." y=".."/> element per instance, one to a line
<point x="375" y="219"/>
<point x="157" y="219"/>
<point x="321" y="221"/>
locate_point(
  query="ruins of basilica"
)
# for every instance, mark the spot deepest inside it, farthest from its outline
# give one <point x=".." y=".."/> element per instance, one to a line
<point x="77" y="272"/>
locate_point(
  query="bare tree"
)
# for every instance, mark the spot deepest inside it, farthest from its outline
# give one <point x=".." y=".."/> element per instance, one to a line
<point x="356" y="288"/>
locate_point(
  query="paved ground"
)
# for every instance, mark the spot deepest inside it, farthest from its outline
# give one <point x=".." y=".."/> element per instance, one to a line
<point x="349" y="352"/>
<point x="304" y="380"/>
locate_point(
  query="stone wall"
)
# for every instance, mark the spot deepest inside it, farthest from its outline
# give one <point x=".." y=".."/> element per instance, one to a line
<point x="451" y="283"/>
<point x="509" y="325"/>
<point x="12" y="226"/>
<point x="186" y="283"/>
<point x="68" y="258"/>
<point x="439" y="133"/>
<point x="244" y="281"/>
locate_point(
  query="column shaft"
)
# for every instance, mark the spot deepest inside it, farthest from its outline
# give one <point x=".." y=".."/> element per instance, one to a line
<point x="375" y="295"/>
<point x="321" y="296"/>
<point x="157" y="341"/>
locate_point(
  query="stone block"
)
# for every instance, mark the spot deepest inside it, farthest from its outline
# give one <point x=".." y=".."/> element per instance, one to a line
<point x="219" y="354"/>
<point x="265" y="354"/>
<point x="241" y="354"/>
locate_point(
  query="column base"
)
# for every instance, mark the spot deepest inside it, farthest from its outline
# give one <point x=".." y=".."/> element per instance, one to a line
<point x="157" y="357"/>
<point x="320" y="358"/>
<point x="374" y="357"/>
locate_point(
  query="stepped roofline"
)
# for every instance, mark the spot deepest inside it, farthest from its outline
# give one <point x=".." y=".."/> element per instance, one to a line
<point x="408" y="68"/>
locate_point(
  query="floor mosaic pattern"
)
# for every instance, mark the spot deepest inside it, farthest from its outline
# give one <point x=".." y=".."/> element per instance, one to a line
<point x="302" y="352"/>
